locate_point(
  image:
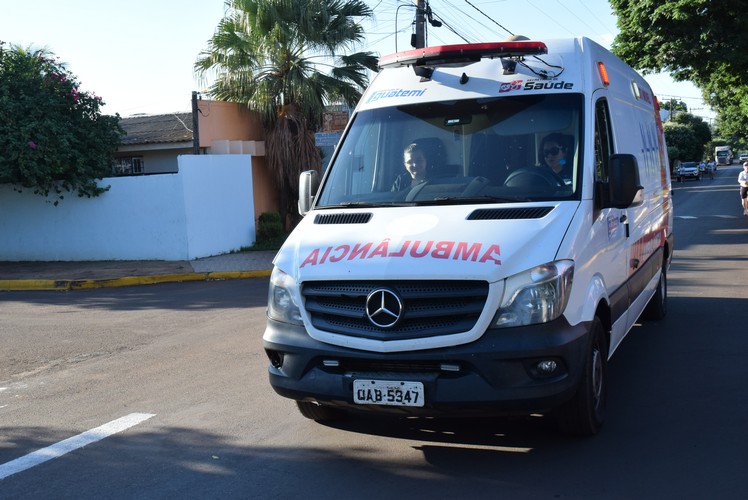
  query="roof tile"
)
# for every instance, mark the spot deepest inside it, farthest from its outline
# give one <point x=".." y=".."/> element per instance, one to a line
<point x="157" y="129"/>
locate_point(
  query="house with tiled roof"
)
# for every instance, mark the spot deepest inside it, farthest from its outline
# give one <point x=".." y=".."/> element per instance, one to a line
<point x="153" y="143"/>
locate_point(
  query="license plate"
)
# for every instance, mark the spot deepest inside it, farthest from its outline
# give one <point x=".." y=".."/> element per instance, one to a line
<point x="387" y="392"/>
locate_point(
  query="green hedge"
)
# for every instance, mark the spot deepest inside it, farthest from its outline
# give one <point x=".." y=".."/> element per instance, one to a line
<point x="270" y="233"/>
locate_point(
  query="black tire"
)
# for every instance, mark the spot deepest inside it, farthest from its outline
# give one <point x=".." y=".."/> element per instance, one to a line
<point x="584" y="414"/>
<point x="318" y="412"/>
<point x="657" y="306"/>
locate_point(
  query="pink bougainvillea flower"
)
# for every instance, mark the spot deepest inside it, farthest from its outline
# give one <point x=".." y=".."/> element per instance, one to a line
<point x="32" y="144"/>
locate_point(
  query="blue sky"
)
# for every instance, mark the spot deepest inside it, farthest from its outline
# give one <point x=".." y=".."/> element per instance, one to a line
<point x="138" y="55"/>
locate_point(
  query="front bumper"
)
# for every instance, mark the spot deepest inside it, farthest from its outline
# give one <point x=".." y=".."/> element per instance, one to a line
<point x="495" y="374"/>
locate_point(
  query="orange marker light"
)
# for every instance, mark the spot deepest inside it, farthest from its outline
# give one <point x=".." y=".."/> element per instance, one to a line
<point x="603" y="73"/>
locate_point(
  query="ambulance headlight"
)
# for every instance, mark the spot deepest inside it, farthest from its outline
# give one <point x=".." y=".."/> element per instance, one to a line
<point x="282" y="305"/>
<point x="537" y="295"/>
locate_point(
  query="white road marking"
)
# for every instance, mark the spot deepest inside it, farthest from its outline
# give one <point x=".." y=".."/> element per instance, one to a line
<point x="72" y="444"/>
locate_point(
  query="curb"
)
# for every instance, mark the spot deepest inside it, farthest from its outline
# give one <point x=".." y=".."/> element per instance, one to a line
<point x="67" y="285"/>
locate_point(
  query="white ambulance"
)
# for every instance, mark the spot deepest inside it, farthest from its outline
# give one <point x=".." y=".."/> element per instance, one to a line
<point x="493" y="284"/>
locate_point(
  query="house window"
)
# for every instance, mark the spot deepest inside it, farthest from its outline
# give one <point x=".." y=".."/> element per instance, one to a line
<point x="128" y="165"/>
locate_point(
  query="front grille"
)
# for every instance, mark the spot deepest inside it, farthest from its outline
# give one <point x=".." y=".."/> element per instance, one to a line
<point x="430" y="308"/>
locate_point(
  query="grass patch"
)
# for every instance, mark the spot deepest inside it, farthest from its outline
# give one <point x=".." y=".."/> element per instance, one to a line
<point x="261" y="246"/>
<point x="270" y="233"/>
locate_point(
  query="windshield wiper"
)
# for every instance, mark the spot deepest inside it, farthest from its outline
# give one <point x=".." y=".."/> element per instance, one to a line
<point x="366" y="204"/>
<point x="443" y="200"/>
<point x="456" y="200"/>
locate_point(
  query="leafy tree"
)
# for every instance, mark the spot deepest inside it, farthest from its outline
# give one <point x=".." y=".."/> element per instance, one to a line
<point x="689" y="38"/>
<point x="287" y="59"/>
<point x="701" y="131"/>
<point x="698" y="40"/>
<point x="52" y="135"/>
<point x="732" y="125"/>
<point x="681" y="141"/>
<point x="674" y="106"/>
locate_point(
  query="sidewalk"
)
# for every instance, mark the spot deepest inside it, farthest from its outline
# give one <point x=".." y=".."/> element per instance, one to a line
<point x="98" y="274"/>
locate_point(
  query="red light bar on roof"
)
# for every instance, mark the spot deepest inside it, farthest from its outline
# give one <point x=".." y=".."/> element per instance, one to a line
<point x="462" y="54"/>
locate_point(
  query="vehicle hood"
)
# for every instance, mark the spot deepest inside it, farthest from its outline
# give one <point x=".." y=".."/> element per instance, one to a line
<point x="445" y="242"/>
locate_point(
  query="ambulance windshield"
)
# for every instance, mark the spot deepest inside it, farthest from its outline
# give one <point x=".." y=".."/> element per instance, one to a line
<point x="489" y="150"/>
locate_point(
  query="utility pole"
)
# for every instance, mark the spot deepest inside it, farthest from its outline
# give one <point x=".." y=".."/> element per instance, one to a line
<point x="195" y="128"/>
<point x="419" y="41"/>
<point x="423" y="14"/>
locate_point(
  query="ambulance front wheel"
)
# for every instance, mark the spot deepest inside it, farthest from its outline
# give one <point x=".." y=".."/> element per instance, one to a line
<point x="584" y="414"/>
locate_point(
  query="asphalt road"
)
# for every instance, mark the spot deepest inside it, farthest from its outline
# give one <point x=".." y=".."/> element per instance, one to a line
<point x="180" y="367"/>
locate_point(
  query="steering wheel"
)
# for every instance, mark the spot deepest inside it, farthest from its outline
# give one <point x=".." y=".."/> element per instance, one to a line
<point x="533" y="176"/>
<point x="475" y="186"/>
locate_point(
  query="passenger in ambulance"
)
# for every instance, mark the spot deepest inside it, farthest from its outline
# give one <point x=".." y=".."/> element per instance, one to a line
<point x="416" y="163"/>
<point x="554" y="150"/>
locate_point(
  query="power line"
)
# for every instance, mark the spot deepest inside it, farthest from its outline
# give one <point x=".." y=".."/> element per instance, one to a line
<point x="564" y="6"/>
<point x="488" y="17"/>
<point x="546" y="15"/>
<point x="450" y="28"/>
<point x="455" y="14"/>
<point x="586" y="7"/>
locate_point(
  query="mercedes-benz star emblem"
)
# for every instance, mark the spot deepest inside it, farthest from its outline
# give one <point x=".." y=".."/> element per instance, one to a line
<point x="383" y="308"/>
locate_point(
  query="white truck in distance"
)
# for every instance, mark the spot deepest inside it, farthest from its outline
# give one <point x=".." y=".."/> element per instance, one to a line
<point x="495" y="285"/>
<point x="723" y="155"/>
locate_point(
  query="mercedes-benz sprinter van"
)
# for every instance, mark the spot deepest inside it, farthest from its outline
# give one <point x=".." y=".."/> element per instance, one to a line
<point x="502" y="277"/>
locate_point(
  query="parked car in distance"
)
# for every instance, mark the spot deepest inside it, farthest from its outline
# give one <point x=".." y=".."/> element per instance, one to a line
<point x="687" y="170"/>
<point x="743" y="157"/>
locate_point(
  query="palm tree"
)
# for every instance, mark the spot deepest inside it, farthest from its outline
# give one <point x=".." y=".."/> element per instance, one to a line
<point x="287" y="59"/>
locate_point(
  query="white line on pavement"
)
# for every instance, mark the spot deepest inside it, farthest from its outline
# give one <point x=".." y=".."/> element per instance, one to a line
<point x="72" y="444"/>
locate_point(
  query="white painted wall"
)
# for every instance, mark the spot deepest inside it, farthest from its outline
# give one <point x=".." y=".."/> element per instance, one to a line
<point x="205" y="209"/>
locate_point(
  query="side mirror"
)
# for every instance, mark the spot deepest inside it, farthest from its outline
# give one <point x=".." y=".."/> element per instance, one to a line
<point x="308" y="185"/>
<point x="624" y="185"/>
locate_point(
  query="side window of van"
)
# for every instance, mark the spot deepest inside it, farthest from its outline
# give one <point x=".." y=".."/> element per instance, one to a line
<point x="603" y="142"/>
